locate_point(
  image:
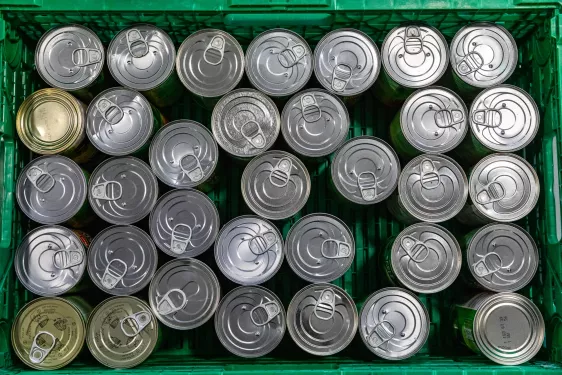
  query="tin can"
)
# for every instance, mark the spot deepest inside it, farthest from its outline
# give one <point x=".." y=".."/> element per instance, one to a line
<point x="322" y="319"/>
<point x="123" y="190"/>
<point x="122" y="260"/>
<point x="122" y="332"/>
<point x="394" y="324"/>
<point x="250" y="321"/>
<point x="505" y="327"/>
<point x="184" y="293"/>
<point x="320" y="248"/>
<point x="365" y="170"/>
<point x="275" y="185"/>
<point x="249" y="250"/>
<point x="184" y="223"/>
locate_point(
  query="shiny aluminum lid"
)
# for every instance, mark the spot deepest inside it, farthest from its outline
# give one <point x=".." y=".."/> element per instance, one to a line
<point x="184" y="223"/>
<point x="250" y="321"/>
<point x="123" y="190"/>
<point x="365" y="170"/>
<point x="322" y="319"/>
<point x="394" y="324"/>
<point x="504" y="187"/>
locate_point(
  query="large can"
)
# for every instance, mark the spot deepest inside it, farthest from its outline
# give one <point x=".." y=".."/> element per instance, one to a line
<point x="320" y="248"/>
<point x="393" y="323"/>
<point x="122" y="260"/>
<point x="250" y="321"/>
<point x="122" y="332"/>
<point x="184" y="293"/>
<point x="184" y="223"/>
<point x="249" y="250"/>
<point x="506" y="327"/>
<point x="322" y="319"/>
<point x="275" y="185"/>
<point x="365" y="170"/>
<point x="123" y="190"/>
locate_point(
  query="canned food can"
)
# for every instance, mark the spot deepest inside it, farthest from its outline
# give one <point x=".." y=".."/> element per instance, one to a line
<point x="470" y="216"/>
<point x="275" y="185"/>
<point x="122" y="332"/>
<point x="123" y="190"/>
<point x="365" y="170"/>
<point x="249" y="250"/>
<point x="122" y="260"/>
<point x="184" y="223"/>
<point x="394" y="324"/>
<point x="506" y="327"/>
<point x="320" y="248"/>
<point x="250" y="321"/>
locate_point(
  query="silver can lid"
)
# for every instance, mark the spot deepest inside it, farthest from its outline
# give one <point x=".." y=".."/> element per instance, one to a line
<point x="69" y="57"/>
<point x="433" y="188"/>
<point x="141" y="57"/>
<point x="483" y="54"/>
<point x="275" y="185"/>
<point x="122" y="260"/>
<point x="249" y="250"/>
<point x="210" y="63"/>
<point x="504" y="187"/>
<point x="50" y="260"/>
<point x="346" y="62"/>
<point x="365" y="170"/>
<point x="322" y="319"/>
<point x="250" y="321"/>
<point x="314" y="123"/>
<point x="184" y="293"/>
<point x="394" y="324"/>
<point x="434" y="120"/>
<point x="320" y="248"/>
<point x="183" y="154"/>
<point x="51" y="189"/>
<point x="184" y="223"/>
<point x="279" y="62"/>
<point x="123" y="190"/>
<point x="504" y="118"/>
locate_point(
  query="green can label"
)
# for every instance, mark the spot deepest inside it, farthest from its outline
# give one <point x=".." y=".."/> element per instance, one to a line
<point x="399" y="141"/>
<point x="465" y="326"/>
<point x="166" y="94"/>
<point x="398" y="210"/>
<point x="386" y="261"/>
<point x="389" y="91"/>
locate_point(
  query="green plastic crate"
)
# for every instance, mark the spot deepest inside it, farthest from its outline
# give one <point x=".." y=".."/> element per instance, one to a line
<point x="535" y="24"/>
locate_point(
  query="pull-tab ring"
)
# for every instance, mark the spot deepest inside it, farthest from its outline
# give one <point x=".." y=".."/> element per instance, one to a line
<point x="114" y="272"/>
<point x="281" y="173"/>
<point x="138" y="47"/>
<point x="490" y="193"/>
<point x="471" y="63"/>
<point x="67" y="258"/>
<point x="271" y="309"/>
<point x="311" y="111"/>
<point x="325" y="307"/>
<point x="416" y="250"/>
<point x="181" y="238"/>
<point x="166" y="306"/>
<point x="191" y="167"/>
<point x="429" y="175"/>
<point x="109" y="191"/>
<point x="291" y="55"/>
<point x="42" y="181"/>
<point x="214" y="53"/>
<point x="413" y="43"/>
<point x="254" y="136"/>
<point x="82" y="57"/>
<point x="367" y="183"/>
<point x="341" y="77"/>
<point x="37" y="354"/>
<point x="343" y="249"/>
<point x="382" y="333"/>
<point x="262" y="243"/>
<point x="110" y="111"/>
<point x="445" y="118"/>
<point x="487" y="265"/>
<point x="491" y="118"/>
<point x="137" y="322"/>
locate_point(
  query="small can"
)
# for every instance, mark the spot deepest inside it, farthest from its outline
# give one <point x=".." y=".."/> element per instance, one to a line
<point x="275" y="185"/>
<point x="184" y="223"/>
<point x="250" y="321"/>
<point x="322" y="319"/>
<point x="320" y="248"/>
<point x="394" y="324"/>
<point x="122" y="260"/>
<point x="365" y="170"/>
<point x="184" y="293"/>
<point x="123" y="190"/>
<point x="505" y="327"/>
<point x="249" y="250"/>
<point x="122" y="332"/>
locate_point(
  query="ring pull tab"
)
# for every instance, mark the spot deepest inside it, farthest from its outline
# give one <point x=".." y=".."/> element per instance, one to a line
<point x="281" y="173"/>
<point x="429" y="175"/>
<point x="109" y="191"/>
<point x="82" y="57"/>
<point x="262" y="243"/>
<point x="343" y="249"/>
<point x="38" y="354"/>
<point x="255" y="137"/>
<point x="42" y="181"/>
<point x="341" y="77"/>
<point x="416" y="250"/>
<point x="181" y="238"/>
<point x="471" y="63"/>
<point x="491" y="118"/>
<point x="166" y="306"/>
<point x="67" y="258"/>
<point x="325" y="307"/>
<point x="291" y="55"/>
<point x="112" y="275"/>
<point x="382" y="333"/>
<point x="413" y="43"/>
<point x="137" y="322"/>
<point x="138" y="47"/>
<point x="446" y="118"/>
<point x="311" y="111"/>
<point x="487" y="265"/>
<point x="191" y="167"/>
<point x="490" y="193"/>
<point x="214" y="53"/>
<point x="110" y="111"/>
<point x="271" y="309"/>
<point x="367" y="182"/>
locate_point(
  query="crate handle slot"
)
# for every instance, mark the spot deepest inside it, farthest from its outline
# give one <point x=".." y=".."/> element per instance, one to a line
<point x="281" y="173"/>
<point x="112" y="276"/>
<point x="311" y="111"/>
<point x="67" y="258"/>
<point x="271" y="309"/>
<point x="42" y="180"/>
<point x="180" y="238"/>
<point x="110" y="112"/>
<point x="134" y="41"/>
<point x="38" y="354"/>
<point x="92" y="56"/>
<point x="415" y="249"/>
<point x="137" y="322"/>
<point x="215" y="50"/>
<point x="490" y="193"/>
<point x="489" y="264"/>
<point x="382" y="333"/>
<point x="291" y="55"/>
<point x="166" y="306"/>
<point x="325" y="307"/>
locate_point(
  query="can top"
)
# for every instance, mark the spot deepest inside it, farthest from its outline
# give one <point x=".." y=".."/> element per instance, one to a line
<point x="394" y="324"/>
<point x="346" y="62"/>
<point x="365" y="170"/>
<point x="415" y="55"/>
<point x="141" y="57"/>
<point x="183" y="154"/>
<point x="314" y="123"/>
<point x="184" y="223"/>
<point x="210" y="63"/>
<point x="433" y="188"/>
<point x="434" y="120"/>
<point x="504" y="187"/>
<point x="483" y="54"/>
<point x="279" y="62"/>
<point x="122" y="260"/>
<point x="250" y="321"/>
<point x="69" y="57"/>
